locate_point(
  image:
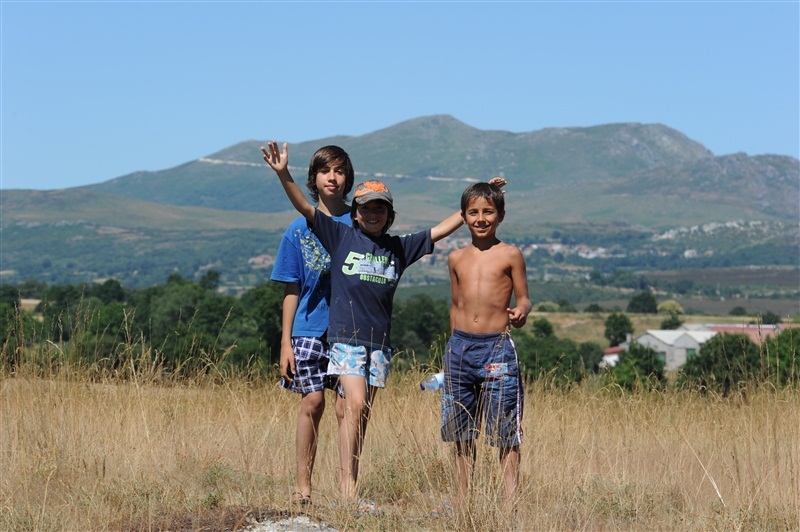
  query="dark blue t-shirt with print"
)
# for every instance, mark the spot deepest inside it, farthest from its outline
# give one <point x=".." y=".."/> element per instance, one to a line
<point x="365" y="271"/>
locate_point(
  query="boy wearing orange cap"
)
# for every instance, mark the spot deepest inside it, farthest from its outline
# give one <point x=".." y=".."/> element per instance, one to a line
<point x="366" y="265"/>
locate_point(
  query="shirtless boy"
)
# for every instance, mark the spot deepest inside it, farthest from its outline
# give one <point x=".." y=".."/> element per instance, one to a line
<point x="482" y="381"/>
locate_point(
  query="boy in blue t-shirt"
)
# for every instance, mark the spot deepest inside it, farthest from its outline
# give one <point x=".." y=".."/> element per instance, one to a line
<point x="366" y="265"/>
<point x="303" y="264"/>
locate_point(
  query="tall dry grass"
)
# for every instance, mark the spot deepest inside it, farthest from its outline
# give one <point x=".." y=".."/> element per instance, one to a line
<point x="83" y="455"/>
<point x="123" y="444"/>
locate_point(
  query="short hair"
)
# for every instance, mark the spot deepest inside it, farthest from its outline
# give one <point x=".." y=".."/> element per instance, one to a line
<point x="389" y="218"/>
<point x="327" y="156"/>
<point x="487" y="191"/>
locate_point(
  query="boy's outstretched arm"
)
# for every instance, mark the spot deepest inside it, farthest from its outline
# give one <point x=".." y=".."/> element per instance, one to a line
<point x="279" y="161"/>
<point x="519" y="278"/>
<point x="447" y="226"/>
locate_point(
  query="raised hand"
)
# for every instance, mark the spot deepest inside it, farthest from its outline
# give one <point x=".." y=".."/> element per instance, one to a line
<point x="277" y="160"/>
<point x="499" y="182"/>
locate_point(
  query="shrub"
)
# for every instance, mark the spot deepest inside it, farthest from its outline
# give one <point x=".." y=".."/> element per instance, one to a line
<point x="723" y="363"/>
<point x="618" y="327"/>
<point x="639" y="367"/>
<point x="643" y="303"/>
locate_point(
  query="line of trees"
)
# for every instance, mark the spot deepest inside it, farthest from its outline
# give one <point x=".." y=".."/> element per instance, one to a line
<point x="184" y="323"/>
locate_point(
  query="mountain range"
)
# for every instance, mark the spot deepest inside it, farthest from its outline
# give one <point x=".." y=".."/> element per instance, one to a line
<point x="645" y="176"/>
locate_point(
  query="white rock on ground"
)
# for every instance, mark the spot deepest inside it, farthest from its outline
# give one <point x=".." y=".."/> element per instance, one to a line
<point x="299" y="523"/>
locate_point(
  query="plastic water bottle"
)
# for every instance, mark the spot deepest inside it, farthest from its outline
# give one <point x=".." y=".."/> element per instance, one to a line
<point x="433" y="382"/>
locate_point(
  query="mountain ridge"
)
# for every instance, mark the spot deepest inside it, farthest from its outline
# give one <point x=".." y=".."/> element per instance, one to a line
<point x="437" y="146"/>
<point x="228" y="208"/>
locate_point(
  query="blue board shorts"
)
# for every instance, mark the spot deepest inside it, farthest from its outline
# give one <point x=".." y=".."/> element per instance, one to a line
<point x="372" y="364"/>
<point x="311" y="357"/>
<point x="482" y="383"/>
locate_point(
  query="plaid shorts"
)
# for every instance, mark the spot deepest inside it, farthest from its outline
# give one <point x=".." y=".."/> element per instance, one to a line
<point x="311" y="364"/>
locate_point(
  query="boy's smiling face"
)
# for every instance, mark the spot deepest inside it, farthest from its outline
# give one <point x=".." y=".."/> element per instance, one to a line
<point x="482" y="218"/>
<point x="372" y="217"/>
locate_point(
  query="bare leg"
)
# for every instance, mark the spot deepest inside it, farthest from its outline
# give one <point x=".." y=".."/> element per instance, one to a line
<point x="312" y="405"/>
<point x="465" y="464"/>
<point x="359" y="397"/>
<point x="341" y="443"/>
<point x="509" y="462"/>
<point x="339" y="405"/>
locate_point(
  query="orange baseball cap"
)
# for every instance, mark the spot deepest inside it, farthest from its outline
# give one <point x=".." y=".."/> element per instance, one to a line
<point x="372" y="190"/>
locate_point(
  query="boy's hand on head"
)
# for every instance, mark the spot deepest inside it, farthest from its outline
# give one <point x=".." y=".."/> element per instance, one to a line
<point x="498" y="182"/>
<point x="517" y="316"/>
<point x="277" y="160"/>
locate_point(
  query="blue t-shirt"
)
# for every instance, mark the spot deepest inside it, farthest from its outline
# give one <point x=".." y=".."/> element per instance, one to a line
<point x="302" y="259"/>
<point x="365" y="271"/>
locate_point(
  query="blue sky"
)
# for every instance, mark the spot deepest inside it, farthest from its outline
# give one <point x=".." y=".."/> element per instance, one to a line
<point x="95" y="90"/>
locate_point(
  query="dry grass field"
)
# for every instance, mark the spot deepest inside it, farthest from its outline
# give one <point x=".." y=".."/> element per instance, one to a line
<point x="145" y="453"/>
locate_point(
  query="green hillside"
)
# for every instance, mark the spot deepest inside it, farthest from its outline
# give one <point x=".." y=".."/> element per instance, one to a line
<point x="611" y="198"/>
<point x="609" y="172"/>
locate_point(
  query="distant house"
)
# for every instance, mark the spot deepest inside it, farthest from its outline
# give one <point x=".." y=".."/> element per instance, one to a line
<point x="611" y="356"/>
<point x="261" y="261"/>
<point x="758" y="334"/>
<point x="675" y="347"/>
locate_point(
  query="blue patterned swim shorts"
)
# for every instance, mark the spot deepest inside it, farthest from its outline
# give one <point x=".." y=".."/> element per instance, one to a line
<point x="481" y="382"/>
<point x="353" y="360"/>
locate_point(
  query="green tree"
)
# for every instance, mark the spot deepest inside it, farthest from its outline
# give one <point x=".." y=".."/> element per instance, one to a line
<point x="263" y="304"/>
<point x="782" y="365"/>
<point x="17" y="330"/>
<point x="110" y="290"/>
<point x="556" y="360"/>
<point x="59" y="308"/>
<point x="643" y="303"/>
<point x="618" y="327"/>
<point x="590" y="354"/>
<point x="723" y="362"/>
<point x="770" y="318"/>
<point x="670" y="306"/>
<point x="172" y="316"/>
<point x="210" y="280"/>
<point x="542" y="328"/>
<point x="102" y="334"/>
<point x="417" y="322"/>
<point x="565" y="305"/>
<point x="638" y="367"/>
<point x="738" y="311"/>
<point x="547" y="306"/>
<point x="594" y="308"/>
<point x="32" y="289"/>
<point x="672" y="322"/>
<point x="9" y="294"/>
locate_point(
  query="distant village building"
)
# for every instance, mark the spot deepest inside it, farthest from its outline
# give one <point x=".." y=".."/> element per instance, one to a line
<point x="611" y="356"/>
<point x="261" y="261"/>
<point x="758" y="333"/>
<point x="675" y="347"/>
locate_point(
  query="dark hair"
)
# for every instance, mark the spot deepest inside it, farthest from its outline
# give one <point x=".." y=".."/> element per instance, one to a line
<point x="389" y="217"/>
<point x="326" y="156"/>
<point x="486" y="191"/>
